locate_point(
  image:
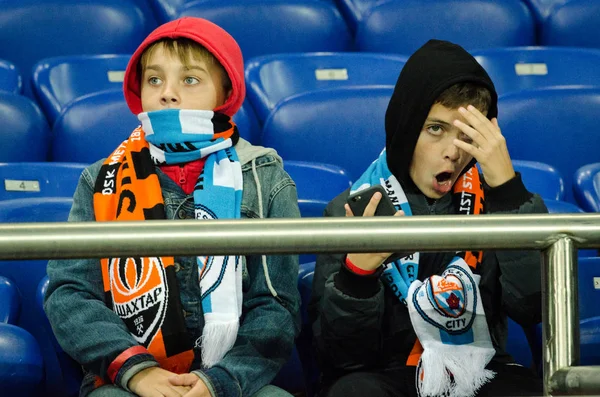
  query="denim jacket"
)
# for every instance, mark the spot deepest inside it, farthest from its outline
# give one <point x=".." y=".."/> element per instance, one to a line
<point x="94" y="335"/>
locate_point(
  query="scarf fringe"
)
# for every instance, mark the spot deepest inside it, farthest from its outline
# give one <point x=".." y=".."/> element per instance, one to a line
<point x="218" y="337"/>
<point x="468" y="371"/>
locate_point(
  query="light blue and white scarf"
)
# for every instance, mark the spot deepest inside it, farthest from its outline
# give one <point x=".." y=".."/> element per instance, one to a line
<point x="445" y="311"/>
<point x="178" y="136"/>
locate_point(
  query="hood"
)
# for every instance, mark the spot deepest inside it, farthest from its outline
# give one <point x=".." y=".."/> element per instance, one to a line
<point x="213" y="38"/>
<point x="433" y="68"/>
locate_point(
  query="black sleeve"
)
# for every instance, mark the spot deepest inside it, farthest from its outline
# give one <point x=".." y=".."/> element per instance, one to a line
<point x="345" y="310"/>
<point x="520" y="270"/>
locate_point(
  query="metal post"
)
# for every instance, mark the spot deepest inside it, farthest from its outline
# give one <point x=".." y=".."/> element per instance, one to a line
<point x="560" y="309"/>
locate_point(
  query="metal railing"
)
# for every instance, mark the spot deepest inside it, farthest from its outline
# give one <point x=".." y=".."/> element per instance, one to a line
<point x="557" y="236"/>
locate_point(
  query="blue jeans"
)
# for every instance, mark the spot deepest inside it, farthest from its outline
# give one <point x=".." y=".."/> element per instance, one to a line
<point x="114" y="391"/>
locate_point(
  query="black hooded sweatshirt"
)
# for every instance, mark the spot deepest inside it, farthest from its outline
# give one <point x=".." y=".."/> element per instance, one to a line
<point x="357" y="323"/>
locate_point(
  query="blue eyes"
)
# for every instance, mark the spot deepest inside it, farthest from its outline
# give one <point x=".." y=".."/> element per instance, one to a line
<point x="188" y="80"/>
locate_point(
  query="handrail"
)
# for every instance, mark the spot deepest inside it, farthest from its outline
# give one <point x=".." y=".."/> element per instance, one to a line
<point x="558" y="236"/>
<point x="273" y="236"/>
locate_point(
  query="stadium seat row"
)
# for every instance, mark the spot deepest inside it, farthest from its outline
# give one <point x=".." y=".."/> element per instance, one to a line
<point x="32" y="30"/>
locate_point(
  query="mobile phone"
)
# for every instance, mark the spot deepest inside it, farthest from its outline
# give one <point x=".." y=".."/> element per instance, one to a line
<point x="359" y="201"/>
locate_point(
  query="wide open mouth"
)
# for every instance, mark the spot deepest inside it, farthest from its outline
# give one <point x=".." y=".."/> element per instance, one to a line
<point x="443" y="177"/>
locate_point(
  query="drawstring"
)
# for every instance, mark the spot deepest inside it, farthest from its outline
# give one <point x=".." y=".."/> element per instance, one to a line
<point x="261" y="215"/>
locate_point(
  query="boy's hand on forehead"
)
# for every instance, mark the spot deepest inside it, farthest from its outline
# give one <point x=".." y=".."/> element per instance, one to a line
<point x="488" y="146"/>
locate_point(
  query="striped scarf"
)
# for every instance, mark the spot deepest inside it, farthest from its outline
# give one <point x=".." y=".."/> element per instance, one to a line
<point x="453" y="343"/>
<point x="143" y="291"/>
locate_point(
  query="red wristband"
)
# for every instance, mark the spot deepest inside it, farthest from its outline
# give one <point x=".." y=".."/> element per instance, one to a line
<point x="115" y="366"/>
<point x="355" y="269"/>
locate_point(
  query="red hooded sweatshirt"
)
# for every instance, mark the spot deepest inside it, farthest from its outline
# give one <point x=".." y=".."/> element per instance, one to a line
<point x="223" y="47"/>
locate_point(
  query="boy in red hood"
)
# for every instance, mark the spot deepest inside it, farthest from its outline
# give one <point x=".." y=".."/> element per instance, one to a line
<point x="180" y="326"/>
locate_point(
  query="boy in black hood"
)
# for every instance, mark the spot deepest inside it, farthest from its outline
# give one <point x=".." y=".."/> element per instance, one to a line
<point x="440" y="121"/>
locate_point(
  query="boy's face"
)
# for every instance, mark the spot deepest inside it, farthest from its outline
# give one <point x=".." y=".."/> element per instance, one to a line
<point x="437" y="162"/>
<point x="169" y="84"/>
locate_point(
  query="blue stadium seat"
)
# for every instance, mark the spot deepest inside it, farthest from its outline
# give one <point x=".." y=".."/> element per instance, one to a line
<point x="553" y="126"/>
<point x="317" y="185"/>
<point x="354" y="11"/>
<point x="517" y="344"/>
<point x="342" y="126"/>
<point x="587" y="187"/>
<point x="10" y="78"/>
<point x="31" y="30"/>
<point x="10" y="301"/>
<point x="522" y="68"/>
<point x="403" y="26"/>
<point x="247" y="124"/>
<point x="272" y="26"/>
<point x="21" y="364"/>
<point x="574" y="24"/>
<point x="30" y="180"/>
<point x="542" y="8"/>
<point x="589" y="287"/>
<point x="291" y="376"/>
<point x="28" y="274"/>
<point x="91" y="127"/>
<point x="590" y="341"/>
<point x="58" y="81"/>
<point x="167" y="10"/>
<point x="541" y="178"/>
<point x="25" y="134"/>
<point x="563" y="207"/>
<point x="272" y="78"/>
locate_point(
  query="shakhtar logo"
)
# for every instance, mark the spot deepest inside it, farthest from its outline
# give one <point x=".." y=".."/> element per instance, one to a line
<point x="139" y="292"/>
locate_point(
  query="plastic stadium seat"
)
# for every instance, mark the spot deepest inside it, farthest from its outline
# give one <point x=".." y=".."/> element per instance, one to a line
<point x="291" y="376"/>
<point x="589" y="287"/>
<point x="247" y="124"/>
<point x="343" y="126"/>
<point x="10" y="301"/>
<point x="541" y="178"/>
<point x="24" y="132"/>
<point x="10" y="78"/>
<point x="272" y="78"/>
<point x="403" y="26"/>
<point x="553" y="126"/>
<point x="317" y="184"/>
<point x="542" y="8"/>
<point x="590" y="341"/>
<point x="92" y="127"/>
<point x="27" y="180"/>
<point x="574" y="24"/>
<point x="563" y="207"/>
<point x="523" y="68"/>
<point x="272" y="26"/>
<point x="28" y="274"/>
<point x="21" y="364"/>
<point x="517" y="344"/>
<point x="31" y="30"/>
<point x="354" y="11"/>
<point x="58" y="81"/>
<point x="587" y="187"/>
<point x="167" y="10"/>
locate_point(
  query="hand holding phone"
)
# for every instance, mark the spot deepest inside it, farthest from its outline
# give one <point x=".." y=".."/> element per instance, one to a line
<point x="359" y="202"/>
<point x="367" y="203"/>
